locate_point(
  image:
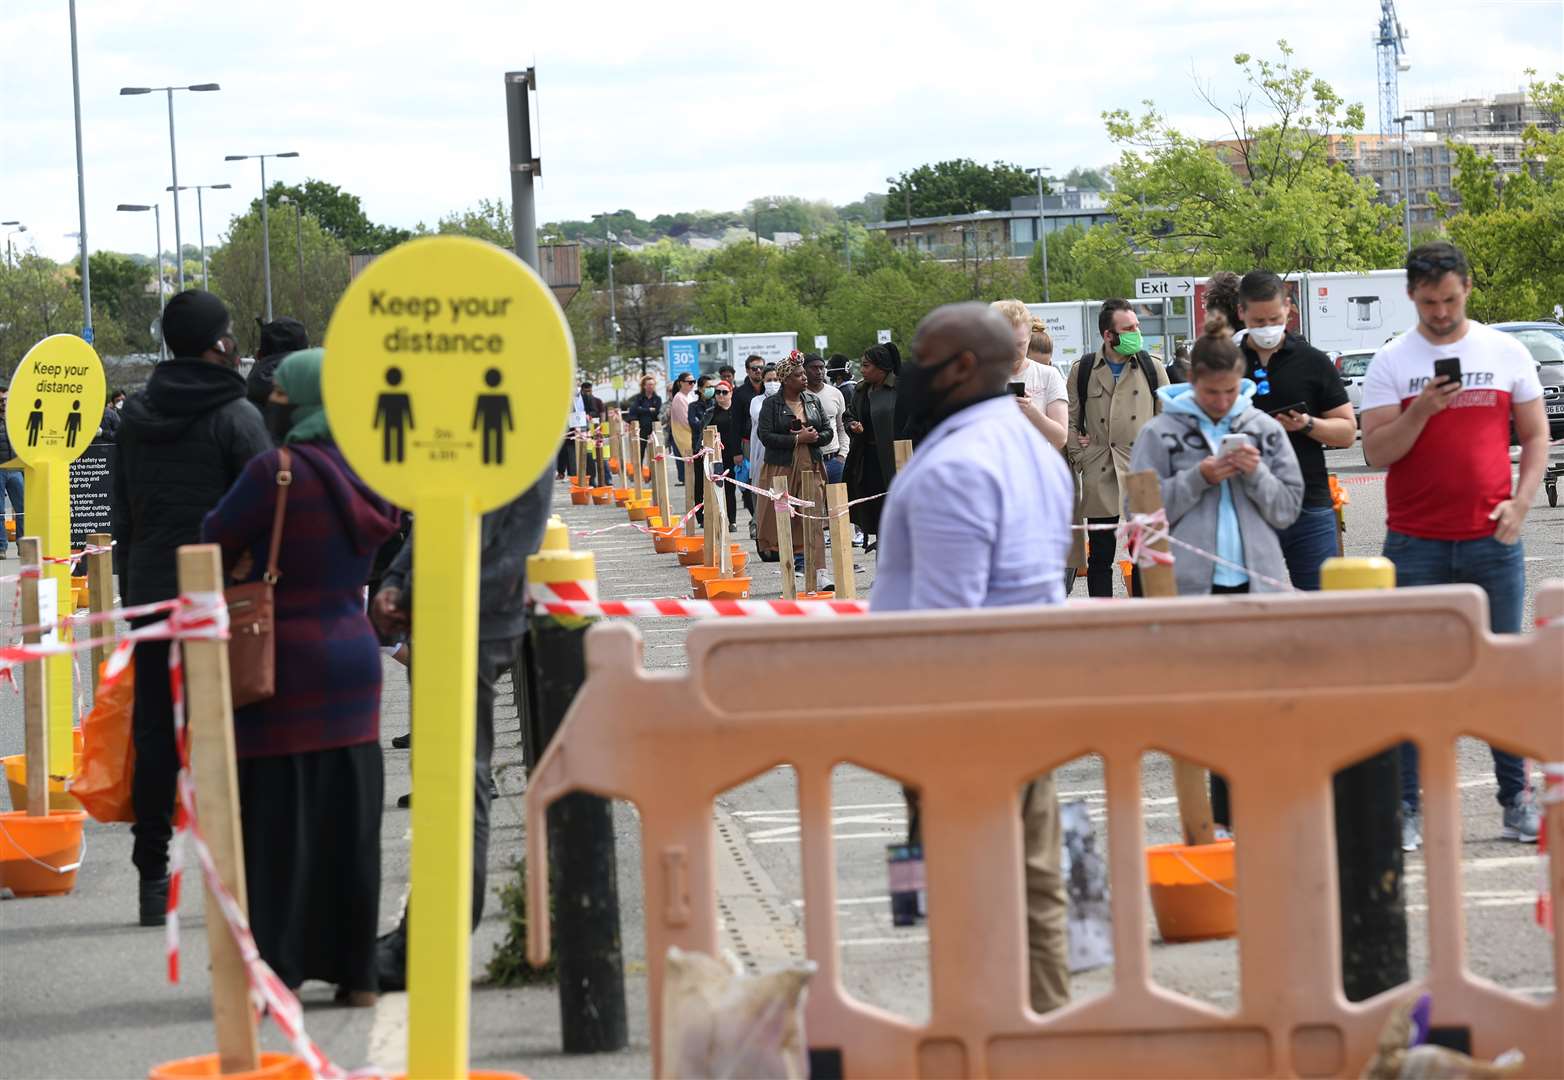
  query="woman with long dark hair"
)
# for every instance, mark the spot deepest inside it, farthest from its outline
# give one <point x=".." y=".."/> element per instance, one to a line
<point x="875" y="421"/>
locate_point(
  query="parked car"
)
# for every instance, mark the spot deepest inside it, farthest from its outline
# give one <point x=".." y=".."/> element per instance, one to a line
<point x="1354" y="365"/>
<point x="1545" y="342"/>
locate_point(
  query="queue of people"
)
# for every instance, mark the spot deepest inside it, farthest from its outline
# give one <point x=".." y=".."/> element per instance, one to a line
<point x="1238" y="446"/>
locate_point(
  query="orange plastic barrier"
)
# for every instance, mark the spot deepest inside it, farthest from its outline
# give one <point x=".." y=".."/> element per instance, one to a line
<point x="953" y="703"/>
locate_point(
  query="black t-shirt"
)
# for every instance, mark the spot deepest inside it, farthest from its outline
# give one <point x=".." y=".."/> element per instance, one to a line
<point x="1300" y="372"/>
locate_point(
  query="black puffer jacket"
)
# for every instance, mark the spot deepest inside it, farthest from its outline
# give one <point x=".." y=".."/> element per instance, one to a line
<point x="182" y="443"/>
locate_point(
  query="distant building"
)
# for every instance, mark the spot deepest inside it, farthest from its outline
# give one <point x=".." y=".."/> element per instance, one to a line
<point x="1492" y="126"/>
<point x="1009" y="234"/>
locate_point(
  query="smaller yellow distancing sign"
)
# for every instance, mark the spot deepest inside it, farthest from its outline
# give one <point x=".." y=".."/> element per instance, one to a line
<point x="56" y="400"/>
<point x="448" y="367"/>
<point x="53" y="410"/>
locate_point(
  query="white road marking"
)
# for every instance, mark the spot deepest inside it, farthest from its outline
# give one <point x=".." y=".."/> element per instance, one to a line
<point x="910" y="939"/>
<point x="837" y="836"/>
<point x="387" y="1049"/>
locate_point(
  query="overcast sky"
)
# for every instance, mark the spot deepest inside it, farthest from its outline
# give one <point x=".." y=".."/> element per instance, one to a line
<point x="653" y="107"/>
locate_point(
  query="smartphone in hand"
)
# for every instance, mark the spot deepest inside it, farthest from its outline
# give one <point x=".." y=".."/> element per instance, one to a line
<point x="1232" y="442"/>
<point x="1018" y="389"/>
<point x="1297" y="407"/>
<point x="1449" y="366"/>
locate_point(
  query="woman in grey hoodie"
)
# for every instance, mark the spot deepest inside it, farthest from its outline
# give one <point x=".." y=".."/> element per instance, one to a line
<point x="1229" y="504"/>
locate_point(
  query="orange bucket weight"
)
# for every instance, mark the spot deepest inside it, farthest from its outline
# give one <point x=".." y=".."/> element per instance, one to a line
<point x="35" y="851"/>
<point x="274" y="1066"/>
<point x="1194" y="890"/>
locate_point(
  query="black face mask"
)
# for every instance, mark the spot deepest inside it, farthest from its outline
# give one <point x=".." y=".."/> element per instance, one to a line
<point x="279" y="420"/>
<point x="915" y="388"/>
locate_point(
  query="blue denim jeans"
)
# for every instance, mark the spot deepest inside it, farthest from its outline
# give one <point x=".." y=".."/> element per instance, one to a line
<point x="11" y="488"/>
<point x="833" y="469"/>
<point x="1307" y="543"/>
<point x="1500" y="571"/>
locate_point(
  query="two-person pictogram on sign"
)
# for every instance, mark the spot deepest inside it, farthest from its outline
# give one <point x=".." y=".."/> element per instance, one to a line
<point x="394" y="418"/>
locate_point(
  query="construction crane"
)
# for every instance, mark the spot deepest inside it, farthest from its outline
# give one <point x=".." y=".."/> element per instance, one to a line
<point x="1390" y="43"/>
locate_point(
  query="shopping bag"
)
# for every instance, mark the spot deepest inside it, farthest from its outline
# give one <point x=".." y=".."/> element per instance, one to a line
<point x="108" y="753"/>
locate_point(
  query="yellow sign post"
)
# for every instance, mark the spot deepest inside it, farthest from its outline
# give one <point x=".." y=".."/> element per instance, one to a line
<point x="447" y="384"/>
<point x="54" y="409"/>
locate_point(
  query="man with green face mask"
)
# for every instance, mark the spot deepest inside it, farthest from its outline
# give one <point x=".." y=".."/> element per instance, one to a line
<point x="1113" y="394"/>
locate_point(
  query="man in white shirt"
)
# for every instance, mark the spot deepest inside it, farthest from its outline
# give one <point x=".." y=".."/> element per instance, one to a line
<point x="835" y="451"/>
<point x="1438" y="404"/>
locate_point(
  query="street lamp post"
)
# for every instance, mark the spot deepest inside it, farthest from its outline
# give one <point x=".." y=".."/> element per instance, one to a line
<point x="201" y="220"/>
<point x="81" y="189"/>
<point x="266" y="229"/>
<point x="1042" y="231"/>
<point x="298" y="225"/>
<point x="157" y="224"/>
<point x="20" y="228"/>
<point x="613" y="316"/>
<point x="173" y="159"/>
<point x="1406" y="181"/>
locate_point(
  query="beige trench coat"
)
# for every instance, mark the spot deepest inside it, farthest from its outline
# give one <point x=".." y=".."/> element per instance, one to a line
<point x="1116" y="410"/>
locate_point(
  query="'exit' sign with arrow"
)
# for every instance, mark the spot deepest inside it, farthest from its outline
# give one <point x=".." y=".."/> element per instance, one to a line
<point x="1157" y="288"/>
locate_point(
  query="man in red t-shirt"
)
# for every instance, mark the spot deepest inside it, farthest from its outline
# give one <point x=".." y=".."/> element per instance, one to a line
<point x="1454" y="517"/>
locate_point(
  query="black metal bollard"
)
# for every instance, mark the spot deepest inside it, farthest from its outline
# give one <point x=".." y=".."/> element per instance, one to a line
<point x="583" y="876"/>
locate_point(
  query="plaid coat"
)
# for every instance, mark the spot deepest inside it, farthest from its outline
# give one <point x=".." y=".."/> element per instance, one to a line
<point x="328" y="658"/>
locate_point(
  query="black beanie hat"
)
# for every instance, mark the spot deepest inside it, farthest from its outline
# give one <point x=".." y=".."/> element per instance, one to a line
<point x="284" y="334"/>
<point x="193" y="321"/>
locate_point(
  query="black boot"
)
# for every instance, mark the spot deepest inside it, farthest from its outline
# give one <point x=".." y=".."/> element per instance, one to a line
<point x="154" y="901"/>
<point x="391" y="961"/>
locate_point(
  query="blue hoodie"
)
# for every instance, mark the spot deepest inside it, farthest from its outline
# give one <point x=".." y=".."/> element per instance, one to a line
<point x="1180" y="398"/>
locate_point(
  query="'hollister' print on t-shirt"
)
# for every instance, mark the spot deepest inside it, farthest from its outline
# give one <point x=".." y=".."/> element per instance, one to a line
<point x="1459" y="468"/>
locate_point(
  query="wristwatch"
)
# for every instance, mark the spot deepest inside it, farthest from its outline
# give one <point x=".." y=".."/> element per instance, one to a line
<point x="1308" y="425"/>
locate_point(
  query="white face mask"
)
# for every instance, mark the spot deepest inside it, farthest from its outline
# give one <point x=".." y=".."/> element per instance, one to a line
<point x="773" y="388"/>
<point x="1267" y="337"/>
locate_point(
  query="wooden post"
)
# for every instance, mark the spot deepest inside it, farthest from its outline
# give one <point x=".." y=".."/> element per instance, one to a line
<point x="581" y="454"/>
<point x="100" y="598"/>
<point x="710" y="439"/>
<point x="903" y="450"/>
<point x="209" y="710"/>
<point x="1189" y="780"/>
<point x="711" y="532"/>
<point x="841" y="542"/>
<point x="615" y="445"/>
<point x="640" y="461"/>
<point x="35" y="682"/>
<point x="662" y="492"/>
<point x="813" y="526"/>
<point x="784" y="540"/>
<point x="718" y="508"/>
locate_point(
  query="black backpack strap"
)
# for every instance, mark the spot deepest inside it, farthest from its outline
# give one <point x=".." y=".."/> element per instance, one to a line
<point x="1083" y="379"/>
<point x="1148" y="368"/>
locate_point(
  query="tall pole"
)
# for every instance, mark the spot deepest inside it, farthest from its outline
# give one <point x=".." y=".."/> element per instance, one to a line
<point x="1406" y="183"/>
<point x="201" y="225"/>
<point x="173" y="160"/>
<point x="157" y="225"/>
<point x="81" y="187"/>
<point x="523" y="166"/>
<point x="613" y="311"/>
<point x="1042" y="232"/>
<point x="907" y="195"/>
<point x="266" y="242"/>
<point x="298" y="225"/>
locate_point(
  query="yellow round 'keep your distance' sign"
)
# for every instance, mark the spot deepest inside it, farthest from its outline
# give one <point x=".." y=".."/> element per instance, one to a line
<point x="448" y="369"/>
<point x="55" y="404"/>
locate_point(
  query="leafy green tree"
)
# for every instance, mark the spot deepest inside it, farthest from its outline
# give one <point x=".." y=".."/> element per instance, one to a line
<point x="490" y="220"/>
<point x="866" y="211"/>
<point x="122" y="293"/>
<point x="340" y="213"/>
<point x="961" y="186"/>
<point x="238" y="274"/>
<point x="36" y="300"/>
<point x="1088" y="179"/>
<point x="1269" y="197"/>
<point x="1085" y="264"/>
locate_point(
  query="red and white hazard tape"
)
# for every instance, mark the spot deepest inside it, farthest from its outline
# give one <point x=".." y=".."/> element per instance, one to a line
<point x="704" y="609"/>
<point x="774" y="496"/>
<point x="204" y="617"/>
<point x="707" y="451"/>
<point x="137" y="612"/>
<point x="1552" y="794"/>
<point x="638" y="527"/>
